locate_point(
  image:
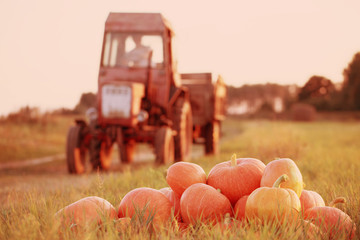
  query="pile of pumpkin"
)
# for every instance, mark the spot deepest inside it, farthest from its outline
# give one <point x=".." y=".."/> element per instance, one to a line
<point x="238" y="190"/>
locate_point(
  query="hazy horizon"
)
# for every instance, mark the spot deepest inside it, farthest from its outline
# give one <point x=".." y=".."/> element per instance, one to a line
<point x="50" y="51"/>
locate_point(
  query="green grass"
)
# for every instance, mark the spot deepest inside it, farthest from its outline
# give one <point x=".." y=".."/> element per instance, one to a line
<point x="327" y="154"/>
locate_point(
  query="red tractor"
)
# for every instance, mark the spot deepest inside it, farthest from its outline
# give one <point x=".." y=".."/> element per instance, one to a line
<point x="140" y="97"/>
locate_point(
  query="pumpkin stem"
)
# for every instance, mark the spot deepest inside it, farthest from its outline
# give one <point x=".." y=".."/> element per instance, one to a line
<point x="233" y="160"/>
<point x="336" y="201"/>
<point x="283" y="178"/>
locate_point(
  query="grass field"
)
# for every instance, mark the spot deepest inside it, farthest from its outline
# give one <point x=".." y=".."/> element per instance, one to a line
<point x="21" y="141"/>
<point x="327" y="154"/>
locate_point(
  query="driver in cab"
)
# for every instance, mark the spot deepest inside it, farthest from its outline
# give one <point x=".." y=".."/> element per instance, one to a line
<point x="139" y="56"/>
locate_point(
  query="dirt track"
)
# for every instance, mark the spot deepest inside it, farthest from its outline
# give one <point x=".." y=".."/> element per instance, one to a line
<point x="30" y="162"/>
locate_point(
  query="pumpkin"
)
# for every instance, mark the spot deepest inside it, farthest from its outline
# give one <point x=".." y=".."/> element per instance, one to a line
<point x="237" y="177"/>
<point x="86" y="211"/>
<point x="146" y="205"/>
<point x="174" y="200"/>
<point x="239" y="209"/>
<point x="276" y="168"/>
<point x="309" y="199"/>
<point x="203" y="203"/>
<point x="273" y="204"/>
<point x="182" y="175"/>
<point x="332" y="221"/>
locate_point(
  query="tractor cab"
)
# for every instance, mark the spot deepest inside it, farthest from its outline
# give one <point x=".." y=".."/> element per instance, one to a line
<point x="137" y="62"/>
<point x="133" y="49"/>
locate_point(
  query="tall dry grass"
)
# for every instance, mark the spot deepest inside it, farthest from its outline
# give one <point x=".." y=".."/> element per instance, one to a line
<point x="327" y="154"/>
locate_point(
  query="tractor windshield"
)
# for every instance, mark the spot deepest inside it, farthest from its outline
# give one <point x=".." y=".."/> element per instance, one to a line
<point x="132" y="50"/>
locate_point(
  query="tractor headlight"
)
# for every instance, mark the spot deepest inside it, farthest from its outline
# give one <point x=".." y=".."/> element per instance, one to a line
<point x="91" y="114"/>
<point x="142" y="116"/>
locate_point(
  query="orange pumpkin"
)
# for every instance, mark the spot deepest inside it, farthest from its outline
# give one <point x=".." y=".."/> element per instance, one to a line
<point x="146" y="204"/>
<point x="332" y="221"/>
<point x="85" y="211"/>
<point x="237" y="177"/>
<point x="276" y="168"/>
<point x="174" y="200"/>
<point x="182" y="175"/>
<point x="239" y="208"/>
<point x="309" y="199"/>
<point x="203" y="203"/>
<point x="273" y="204"/>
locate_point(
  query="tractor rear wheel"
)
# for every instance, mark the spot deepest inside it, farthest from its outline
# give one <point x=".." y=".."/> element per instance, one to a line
<point x="212" y="136"/>
<point x="127" y="152"/>
<point x="101" y="154"/>
<point x="75" y="151"/>
<point x="182" y="123"/>
<point x="164" y="146"/>
<point x="126" y="149"/>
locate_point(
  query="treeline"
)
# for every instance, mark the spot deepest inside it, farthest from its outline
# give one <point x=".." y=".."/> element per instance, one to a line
<point x="33" y="115"/>
<point x="318" y="91"/>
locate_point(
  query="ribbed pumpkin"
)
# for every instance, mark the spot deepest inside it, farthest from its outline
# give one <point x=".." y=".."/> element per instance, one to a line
<point x="310" y="199"/>
<point x="273" y="204"/>
<point x="85" y="211"/>
<point x="174" y="200"/>
<point x="237" y="177"/>
<point x="145" y="204"/>
<point x="239" y="209"/>
<point x="182" y="175"/>
<point x="278" y="167"/>
<point x="203" y="203"/>
<point x="331" y="220"/>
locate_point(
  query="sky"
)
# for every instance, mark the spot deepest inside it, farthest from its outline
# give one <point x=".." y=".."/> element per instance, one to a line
<point x="50" y="50"/>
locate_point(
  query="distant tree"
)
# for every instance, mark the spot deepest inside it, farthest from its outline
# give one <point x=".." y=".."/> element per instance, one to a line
<point x="316" y="87"/>
<point x="319" y="92"/>
<point x="87" y="100"/>
<point x="351" y="84"/>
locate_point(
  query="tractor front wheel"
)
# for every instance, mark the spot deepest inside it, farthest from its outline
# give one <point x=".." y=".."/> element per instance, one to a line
<point x="126" y="149"/>
<point x="101" y="154"/>
<point x="75" y="151"/>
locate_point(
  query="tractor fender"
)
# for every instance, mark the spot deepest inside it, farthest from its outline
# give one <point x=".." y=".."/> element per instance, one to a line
<point x="180" y="92"/>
